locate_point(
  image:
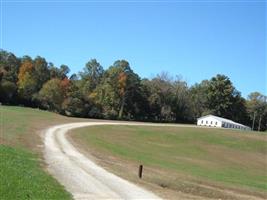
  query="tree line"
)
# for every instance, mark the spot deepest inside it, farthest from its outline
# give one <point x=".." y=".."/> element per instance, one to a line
<point x="119" y="93"/>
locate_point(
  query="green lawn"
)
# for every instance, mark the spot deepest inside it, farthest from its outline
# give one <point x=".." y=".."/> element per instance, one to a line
<point x="21" y="173"/>
<point x="228" y="157"/>
<point x="23" y="178"/>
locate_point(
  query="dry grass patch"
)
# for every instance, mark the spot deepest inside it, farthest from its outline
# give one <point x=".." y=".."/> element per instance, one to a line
<point x="198" y="163"/>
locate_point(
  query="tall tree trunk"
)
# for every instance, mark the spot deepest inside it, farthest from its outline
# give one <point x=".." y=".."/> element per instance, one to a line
<point x="253" y="121"/>
<point x="259" y="126"/>
<point x="122" y="107"/>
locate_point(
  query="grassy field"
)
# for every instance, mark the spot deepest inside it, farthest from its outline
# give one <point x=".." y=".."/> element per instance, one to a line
<point x="22" y="174"/>
<point x="20" y="126"/>
<point x="198" y="161"/>
<point x="201" y="162"/>
<point x="22" y="177"/>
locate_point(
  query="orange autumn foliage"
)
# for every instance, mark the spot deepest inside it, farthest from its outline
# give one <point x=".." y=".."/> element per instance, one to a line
<point x="122" y="82"/>
<point x="26" y="67"/>
<point x="65" y="82"/>
<point x="65" y="85"/>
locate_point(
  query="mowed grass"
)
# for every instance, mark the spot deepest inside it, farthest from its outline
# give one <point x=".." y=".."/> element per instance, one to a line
<point x="18" y="123"/>
<point x="22" y="177"/>
<point x="21" y="173"/>
<point x="227" y="157"/>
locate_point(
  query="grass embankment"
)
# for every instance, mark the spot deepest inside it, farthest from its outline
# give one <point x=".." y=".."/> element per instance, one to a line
<point x="183" y="159"/>
<point x="22" y="177"/>
<point x="21" y="173"/>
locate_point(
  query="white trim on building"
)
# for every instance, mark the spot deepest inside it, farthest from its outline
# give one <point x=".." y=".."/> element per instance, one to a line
<point x="214" y="121"/>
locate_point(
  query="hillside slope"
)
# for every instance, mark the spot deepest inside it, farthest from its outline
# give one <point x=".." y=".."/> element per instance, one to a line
<point x="204" y="162"/>
<point x="22" y="171"/>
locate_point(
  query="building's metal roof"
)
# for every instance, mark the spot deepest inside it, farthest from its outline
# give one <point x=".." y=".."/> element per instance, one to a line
<point x="223" y="120"/>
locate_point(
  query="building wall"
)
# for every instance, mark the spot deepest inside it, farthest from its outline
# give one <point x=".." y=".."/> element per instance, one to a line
<point x="209" y="121"/>
<point x="234" y="126"/>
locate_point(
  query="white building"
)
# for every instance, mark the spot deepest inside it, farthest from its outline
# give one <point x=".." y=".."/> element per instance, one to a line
<point x="214" y="121"/>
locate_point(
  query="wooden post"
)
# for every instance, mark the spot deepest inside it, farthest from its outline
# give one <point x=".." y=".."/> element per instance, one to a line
<point x="140" y="171"/>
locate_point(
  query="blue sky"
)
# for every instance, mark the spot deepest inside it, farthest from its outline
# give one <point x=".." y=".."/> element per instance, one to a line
<point x="196" y="40"/>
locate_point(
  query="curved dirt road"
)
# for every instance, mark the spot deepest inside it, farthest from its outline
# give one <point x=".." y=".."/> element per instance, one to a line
<point x="81" y="176"/>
